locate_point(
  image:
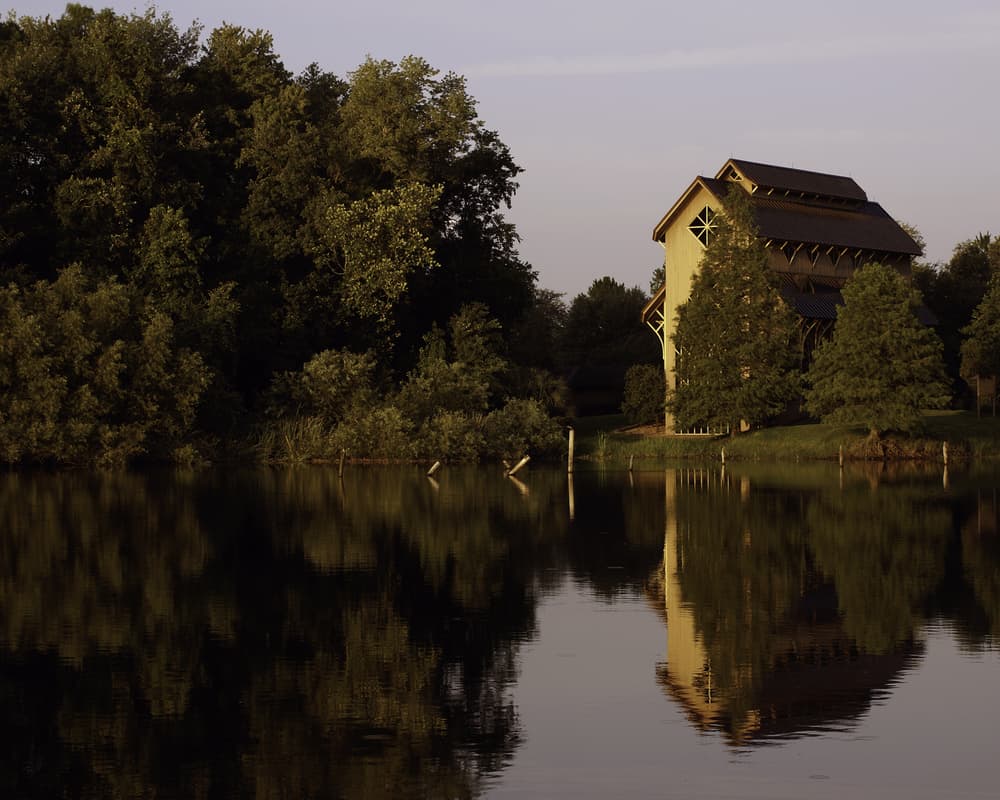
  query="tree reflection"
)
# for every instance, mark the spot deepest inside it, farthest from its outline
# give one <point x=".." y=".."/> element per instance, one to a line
<point x="267" y="633"/>
<point x="884" y="549"/>
<point x="791" y="610"/>
<point x="981" y="559"/>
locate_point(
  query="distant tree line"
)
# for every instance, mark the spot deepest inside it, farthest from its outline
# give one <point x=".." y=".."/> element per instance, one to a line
<point x="199" y="249"/>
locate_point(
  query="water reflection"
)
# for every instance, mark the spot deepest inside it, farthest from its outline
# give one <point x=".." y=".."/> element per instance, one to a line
<point x="289" y="633"/>
<point x="268" y="633"/>
<point x="791" y="612"/>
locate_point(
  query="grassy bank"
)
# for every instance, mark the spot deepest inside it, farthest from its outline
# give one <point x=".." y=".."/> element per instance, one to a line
<point x="968" y="437"/>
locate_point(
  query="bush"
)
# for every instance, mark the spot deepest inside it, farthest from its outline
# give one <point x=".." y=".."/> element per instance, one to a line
<point x="450" y="436"/>
<point x="383" y="433"/>
<point x="520" y="427"/>
<point x="332" y="385"/>
<point x="645" y="390"/>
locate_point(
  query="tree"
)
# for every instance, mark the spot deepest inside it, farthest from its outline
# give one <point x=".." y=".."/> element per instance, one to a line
<point x="644" y="390"/>
<point x="981" y="350"/>
<point x="882" y="367"/>
<point x="735" y="334"/>
<point x="954" y="290"/>
<point x="603" y="327"/>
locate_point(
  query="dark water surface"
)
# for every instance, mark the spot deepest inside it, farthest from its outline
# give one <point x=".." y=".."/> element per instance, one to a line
<point x="760" y="632"/>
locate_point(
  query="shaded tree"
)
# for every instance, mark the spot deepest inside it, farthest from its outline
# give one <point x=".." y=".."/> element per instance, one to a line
<point x="981" y="350"/>
<point x="603" y="327"/>
<point x="882" y="367"/>
<point x="735" y="334"/>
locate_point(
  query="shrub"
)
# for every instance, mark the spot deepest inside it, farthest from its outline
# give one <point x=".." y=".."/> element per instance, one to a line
<point x="383" y="433"/>
<point x="522" y="426"/>
<point x="450" y="436"/>
<point x="645" y="391"/>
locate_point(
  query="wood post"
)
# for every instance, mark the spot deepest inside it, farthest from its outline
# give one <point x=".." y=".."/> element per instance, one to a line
<point x="631" y="458"/>
<point x="517" y="466"/>
<point x="434" y="468"/>
<point x="944" y="453"/>
<point x="340" y="466"/>
<point x="723" y="454"/>
<point x="569" y="455"/>
<point x="840" y="456"/>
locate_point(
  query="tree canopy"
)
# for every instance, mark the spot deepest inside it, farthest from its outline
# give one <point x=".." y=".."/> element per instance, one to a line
<point x="882" y="367"/>
<point x="253" y="218"/>
<point x="735" y="334"/>
<point x="981" y="350"/>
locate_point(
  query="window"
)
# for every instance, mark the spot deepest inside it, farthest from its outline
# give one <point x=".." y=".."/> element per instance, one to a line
<point x="703" y="226"/>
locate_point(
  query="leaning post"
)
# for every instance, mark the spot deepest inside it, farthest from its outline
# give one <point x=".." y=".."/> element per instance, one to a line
<point x="517" y="466"/>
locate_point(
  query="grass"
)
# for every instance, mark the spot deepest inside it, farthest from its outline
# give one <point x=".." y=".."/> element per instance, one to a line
<point x="968" y="437"/>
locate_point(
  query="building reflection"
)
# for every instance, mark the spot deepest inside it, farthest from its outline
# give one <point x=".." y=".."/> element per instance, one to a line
<point x="771" y="659"/>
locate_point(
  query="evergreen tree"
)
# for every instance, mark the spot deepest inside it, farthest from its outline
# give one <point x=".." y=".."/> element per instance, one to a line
<point x="882" y="366"/>
<point x="981" y="350"/>
<point x="735" y="334"/>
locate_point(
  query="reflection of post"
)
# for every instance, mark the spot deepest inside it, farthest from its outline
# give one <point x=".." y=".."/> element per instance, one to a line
<point x="572" y="497"/>
<point x="434" y="484"/>
<point x="522" y="487"/>
<point x="569" y="455"/>
<point x="744" y="488"/>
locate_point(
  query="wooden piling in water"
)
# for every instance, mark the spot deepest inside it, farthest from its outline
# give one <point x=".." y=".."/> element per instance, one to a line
<point x="340" y="466"/>
<point x="517" y="466"/>
<point x="434" y="468"/>
<point x="569" y="455"/>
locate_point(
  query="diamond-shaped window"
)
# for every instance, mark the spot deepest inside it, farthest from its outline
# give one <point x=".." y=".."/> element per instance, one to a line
<point x="703" y="226"/>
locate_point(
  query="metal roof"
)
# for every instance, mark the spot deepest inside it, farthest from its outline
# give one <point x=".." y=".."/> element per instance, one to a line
<point x="864" y="226"/>
<point x="799" y="180"/>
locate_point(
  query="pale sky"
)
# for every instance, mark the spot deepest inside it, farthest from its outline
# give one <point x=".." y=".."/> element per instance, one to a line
<point x="612" y="108"/>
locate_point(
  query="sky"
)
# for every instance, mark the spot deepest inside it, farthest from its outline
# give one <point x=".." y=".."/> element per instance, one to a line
<point x="613" y="108"/>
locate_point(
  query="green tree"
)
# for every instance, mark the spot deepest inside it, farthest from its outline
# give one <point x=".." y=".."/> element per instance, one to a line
<point x="882" y="367"/>
<point x="91" y="372"/>
<point x="735" y="334"/>
<point x="603" y="327"/>
<point x="981" y="350"/>
<point x="644" y="390"/>
<point x="954" y="290"/>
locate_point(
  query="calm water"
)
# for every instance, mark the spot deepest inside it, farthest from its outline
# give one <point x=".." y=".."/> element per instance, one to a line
<point x="760" y="633"/>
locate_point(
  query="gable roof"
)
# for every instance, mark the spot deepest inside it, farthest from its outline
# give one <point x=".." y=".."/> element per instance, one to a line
<point x="861" y="224"/>
<point x="798" y="181"/>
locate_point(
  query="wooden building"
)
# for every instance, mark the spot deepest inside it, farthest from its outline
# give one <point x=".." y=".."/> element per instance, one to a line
<point x="817" y="229"/>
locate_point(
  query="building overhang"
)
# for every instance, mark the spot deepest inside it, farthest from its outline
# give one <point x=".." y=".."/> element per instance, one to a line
<point x="660" y="231"/>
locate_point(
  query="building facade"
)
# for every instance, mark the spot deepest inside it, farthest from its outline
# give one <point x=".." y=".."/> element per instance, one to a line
<point x="817" y="229"/>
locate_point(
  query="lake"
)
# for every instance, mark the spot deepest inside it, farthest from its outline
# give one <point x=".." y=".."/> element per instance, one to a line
<point x="757" y="631"/>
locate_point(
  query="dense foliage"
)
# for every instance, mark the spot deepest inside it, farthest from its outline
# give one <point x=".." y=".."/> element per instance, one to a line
<point x="883" y="366"/>
<point x="954" y="290"/>
<point x="981" y="350"/>
<point x="645" y="388"/>
<point x="183" y="222"/>
<point x="735" y="334"/>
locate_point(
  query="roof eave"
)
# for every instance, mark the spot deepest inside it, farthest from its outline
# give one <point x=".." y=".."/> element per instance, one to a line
<point x="661" y="227"/>
<point x="654" y="302"/>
